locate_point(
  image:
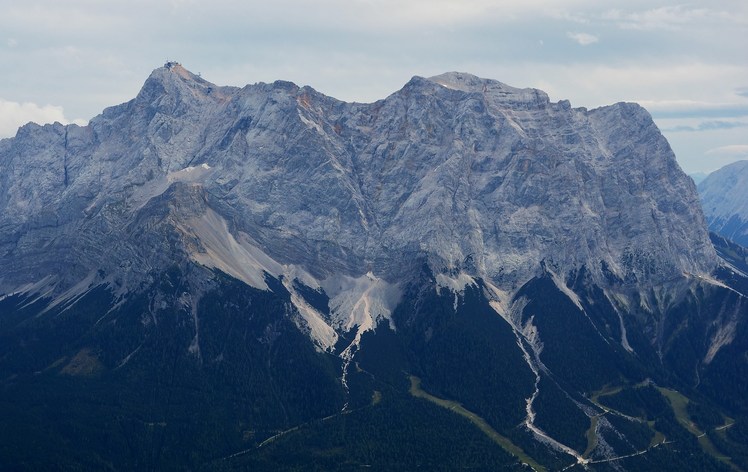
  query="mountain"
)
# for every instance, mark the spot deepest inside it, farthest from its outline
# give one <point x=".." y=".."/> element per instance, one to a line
<point x="698" y="177"/>
<point x="463" y="274"/>
<point x="724" y="197"/>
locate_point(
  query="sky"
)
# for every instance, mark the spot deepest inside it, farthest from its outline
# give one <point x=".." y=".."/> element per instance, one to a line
<point x="686" y="63"/>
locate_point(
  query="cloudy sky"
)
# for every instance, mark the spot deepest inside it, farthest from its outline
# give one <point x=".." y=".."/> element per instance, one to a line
<point x="685" y="62"/>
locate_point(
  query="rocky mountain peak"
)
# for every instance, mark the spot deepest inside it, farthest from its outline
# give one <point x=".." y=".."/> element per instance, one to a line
<point x="498" y="91"/>
<point x="466" y="169"/>
<point x="174" y="72"/>
<point x="460" y="81"/>
<point x="723" y="191"/>
<point x="174" y="81"/>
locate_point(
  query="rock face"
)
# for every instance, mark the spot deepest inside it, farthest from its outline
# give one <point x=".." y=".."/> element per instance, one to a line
<point x="286" y="257"/>
<point x="468" y="174"/>
<point x="724" y="197"/>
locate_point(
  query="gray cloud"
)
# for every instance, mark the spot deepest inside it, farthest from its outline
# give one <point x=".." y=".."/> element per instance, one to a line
<point x="716" y="111"/>
<point x="672" y="17"/>
<point x="706" y="126"/>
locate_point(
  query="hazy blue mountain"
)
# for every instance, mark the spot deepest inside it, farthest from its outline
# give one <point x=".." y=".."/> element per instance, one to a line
<point x="463" y="274"/>
<point x="724" y="198"/>
<point x="698" y="177"/>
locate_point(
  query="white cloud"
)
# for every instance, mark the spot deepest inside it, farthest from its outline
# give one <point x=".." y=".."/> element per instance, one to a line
<point x="14" y="115"/>
<point x="733" y="150"/>
<point x="583" y="39"/>
<point x="670" y="17"/>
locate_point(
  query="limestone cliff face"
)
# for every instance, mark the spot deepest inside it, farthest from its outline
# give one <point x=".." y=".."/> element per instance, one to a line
<point x="464" y="173"/>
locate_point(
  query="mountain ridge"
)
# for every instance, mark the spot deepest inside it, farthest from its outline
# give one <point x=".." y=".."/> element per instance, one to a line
<point x="171" y="92"/>
<point x="489" y="194"/>
<point x="725" y="201"/>
<point x="456" y="230"/>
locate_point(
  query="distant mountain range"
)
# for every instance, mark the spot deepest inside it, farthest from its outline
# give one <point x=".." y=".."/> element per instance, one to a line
<point x="724" y="197"/>
<point x="461" y="275"/>
<point x="698" y="177"/>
